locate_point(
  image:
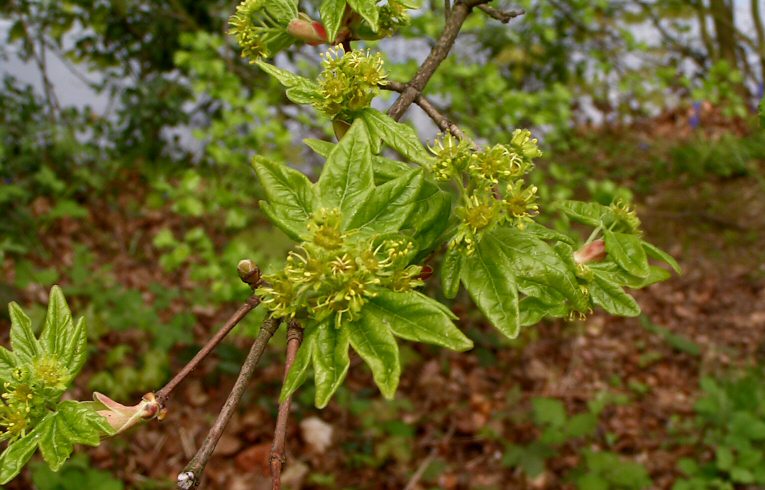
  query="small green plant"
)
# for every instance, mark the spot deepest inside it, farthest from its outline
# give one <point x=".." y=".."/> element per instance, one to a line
<point x="76" y="474"/>
<point x="731" y="416"/>
<point x="557" y="428"/>
<point x="34" y="375"/>
<point x="609" y="471"/>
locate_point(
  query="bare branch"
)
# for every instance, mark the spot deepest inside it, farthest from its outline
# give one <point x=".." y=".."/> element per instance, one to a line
<point x="278" y="457"/>
<point x="435" y="115"/>
<point x="501" y="15"/>
<point x="191" y="476"/>
<point x="457" y="16"/>
<point x="164" y="394"/>
<point x="250" y="274"/>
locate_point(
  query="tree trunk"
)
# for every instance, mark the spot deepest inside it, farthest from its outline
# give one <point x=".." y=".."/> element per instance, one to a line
<point x="725" y="30"/>
<point x="758" y="27"/>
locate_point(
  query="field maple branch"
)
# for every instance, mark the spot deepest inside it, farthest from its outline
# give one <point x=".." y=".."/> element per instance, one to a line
<point x="192" y="474"/>
<point x="251" y="276"/>
<point x="503" y="16"/>
<point x="459" y="12"/>
<point x="435" y="115"/>
<point x="278" y="458"/>
<point x="164" y="393"/>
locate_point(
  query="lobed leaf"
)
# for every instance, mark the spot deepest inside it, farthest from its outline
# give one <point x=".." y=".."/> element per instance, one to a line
<point x="488" y="278"/>
<point x="61" y="338"/>
<point x="23" y="341"/>
<point x="611" y="297"/>
<point x="321" y="147"/>
<point x="291" y="196"/>
<point x="367" y="9"/>
<point x="376" y="345"/>
<point x="399" y="136"/>
<point x="347" y="178"/>
<point x="388" y="206"/>
<point x="588" y="213"/>
<point x="56" y="434"/>
<point x="287" y="78"/>
<point x="332" y="13"/>
<point x="330" y="360"/>
<point x="538" y="269"/>
<point x="655" y="252"/>
<point x="416" y="317"/>
<point x="432" y="217"/>
<point x="627" y="251"/>
<point x="451" y="270"/>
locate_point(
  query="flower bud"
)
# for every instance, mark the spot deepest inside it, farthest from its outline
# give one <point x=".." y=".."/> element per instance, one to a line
<point x="310" y="31"/>
<point x="248" y="271"/>
<point x="122" y="418"/>
<point x="592" y="252"/>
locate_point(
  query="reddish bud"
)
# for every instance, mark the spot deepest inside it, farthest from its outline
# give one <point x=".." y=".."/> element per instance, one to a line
<point x="427" y="271"/>
<point x="309" y="31"/>
<point x="121" y="417"/>
<point x="592" y="252"/>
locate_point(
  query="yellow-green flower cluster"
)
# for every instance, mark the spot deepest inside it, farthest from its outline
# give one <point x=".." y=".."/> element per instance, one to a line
<point x="452" y="157"/>
<point x="492" y="182"/>
<point x="626" y="217"/>
<point x="260" y="27"/>
<point x="334" y="273"/>
<point x="349" y="82"/>
<point x="393" y="15"/>
<point x="22" y="402"/>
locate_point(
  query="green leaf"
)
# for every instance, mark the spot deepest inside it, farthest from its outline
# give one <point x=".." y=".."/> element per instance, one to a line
<point x="15" y="456"/>
<point x="432" y="217"/>
<point x="299" y="370"/>
<point x="61" y="337"/>
<point x="23" y="342"/>
<point x="386" y="169"/>
<point x="56" y="434"/>
<point x="617" y="275"/>
<point x="611" y="297"/>
<point x="283" y="10"/>
<point x="330" y="360"/>
<point x="488" y="277"/>
<point x="303" y="95"/>
<point x="291" y="196"/>
<point x="416" y="317"/>
<point x="538" y="270"/>
<point x="368" y="10"/>
<point x="451" y="269"/>
<point x="546" y="233"/>
<point x="655" y="252"/>
<point x="533" y="310"/>
<point x="399" y="136"/>
<point x="287" y="78"/>
<point x="549" y="412"/>
<point x="332" y="13"/>
<point x="627" y="251"/>
<point x="8" y="363"/>
<point x="388" y="206"/>
<point x="347" y="178"/>
<point x="588" y="213"/>
<point x="72" y="423"/>
<point x="376" y="345"/>
<point x="323" y="148"/>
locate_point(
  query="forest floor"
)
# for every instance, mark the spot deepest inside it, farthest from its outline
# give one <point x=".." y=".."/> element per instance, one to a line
<point x="456" y="413"/>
